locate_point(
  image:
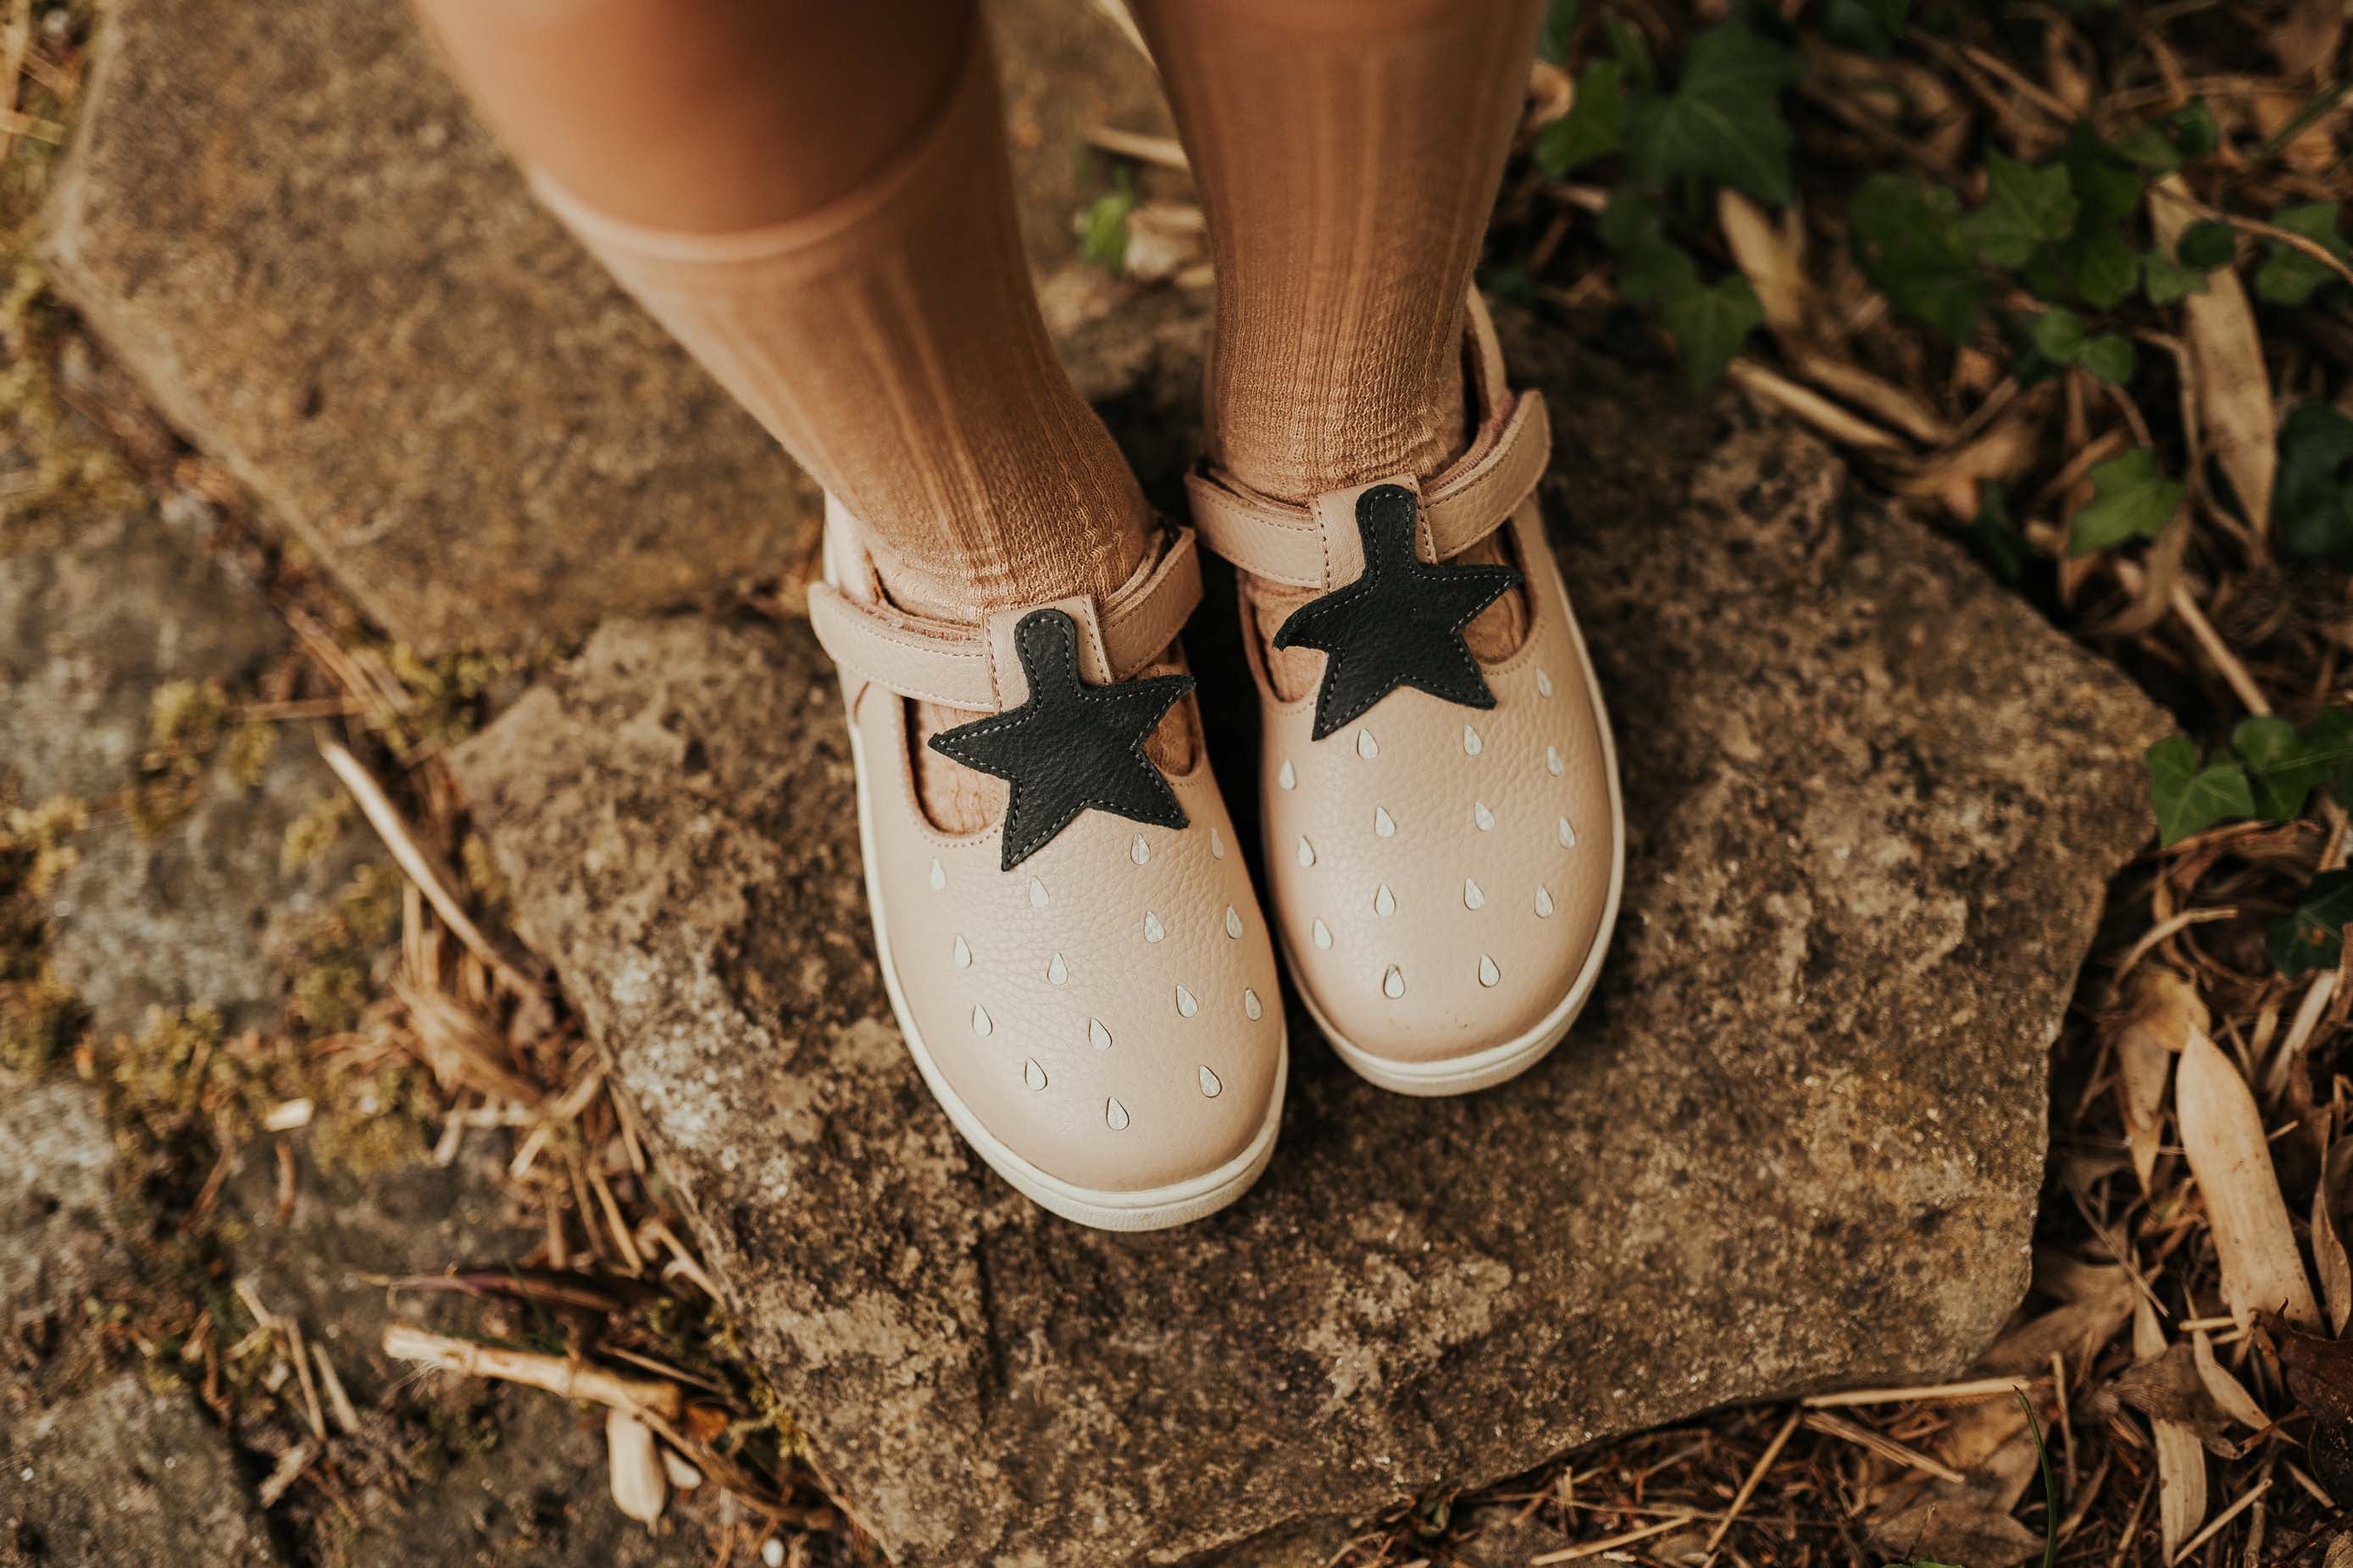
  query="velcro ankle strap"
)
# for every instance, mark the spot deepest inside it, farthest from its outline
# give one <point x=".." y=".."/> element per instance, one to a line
<point x="974" y="668"/>
<point x="1286" y="543"/>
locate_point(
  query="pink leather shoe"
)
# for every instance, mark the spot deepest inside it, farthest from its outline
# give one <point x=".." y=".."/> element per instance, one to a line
<point x="1088" y="985"/>
<point x="1442" y="836"/>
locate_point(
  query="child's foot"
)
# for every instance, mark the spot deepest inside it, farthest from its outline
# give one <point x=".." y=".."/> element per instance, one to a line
<point x="1084" y="980"/>
<point x="1443" y="821"/>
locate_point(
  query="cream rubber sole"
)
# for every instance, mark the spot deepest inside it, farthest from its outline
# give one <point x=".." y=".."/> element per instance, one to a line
<point x="1498" y="1063"/>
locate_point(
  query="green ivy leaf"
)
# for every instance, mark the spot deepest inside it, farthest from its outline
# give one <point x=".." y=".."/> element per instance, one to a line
<point x="1709" y="323"/>
<point x="2312" y="499"/>
<point x="2130" y="500"/>
<point x="2311" y="935"/>
<point x="1907" y="240"/>
<point x="2165" y="281"/>
<point x="2059" y="337"/>
<point x="2282" y="770"/>
<point x="1651" y="267"/>
<point x="2207" y="244"/>
<point x="1723" y="121"/>
<point x="2164" y="145"/>
<point x="1559" y="26"/>
<point x="2108" y="356"/>
<point x="2288" y="275"/>
<point x="2107" y="269"/>
<point x="2328" y="740"/>
<point x="2190" y="799"/>
<point x="2025" y="208"/>
<point x="1595" y="124"/>
<point x="1102" y="231"/>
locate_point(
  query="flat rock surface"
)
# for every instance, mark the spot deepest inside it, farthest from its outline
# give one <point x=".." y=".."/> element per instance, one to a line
<point x="1873" y="800"/>
<point x="56" y="1197"/>
<point x="197" y="905"/>
<point x="125" y="1475"/>
<point x="289" y="224"/>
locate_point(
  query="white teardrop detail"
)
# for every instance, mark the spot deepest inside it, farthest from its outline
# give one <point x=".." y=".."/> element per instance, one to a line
<point x="1210" y="1084"/>
<point x="1253" y="1008"/>
<point x="1234" y="923"/>
<point x="1472" y="896"/>
<point x="1543" y="902"/>
<point x="1393" y="983"/>
<point x="1567" y="834"/>
<point x="1153" y="930"/>
<point x="1289" y="777"/>
<point x="1484" y="819"/>
<point x="1032" y="1074"/>
<point x="1216" y="844"/>
<point x="1185" y="1005"/>
<point x="1057" y="972"/>
<point x="980" y="1021"/>
<point x="1544" y="684"/>
<point x="1139" y="851"/>
<point x="939" y="876"/>
<point x="1553" y="764"/>
<point x="1472" y="745"/>
<point x="1323" y="932"/>
<point x="1038" y="899"/>
<point x="1367" y="747"/>
<point x="1097" y="1036"/>
<point x="963" y="953"/>
<point x="1306" y="853"/>
<point x="1383" y="823"/>
<point x="1116" y="1114"/>
<point x="1384" y="901"/>
<point x="1488" y="972"/>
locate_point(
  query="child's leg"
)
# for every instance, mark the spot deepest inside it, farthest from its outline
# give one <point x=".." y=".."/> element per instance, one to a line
<point x="814" y="200"/>
<point x="1348" y="153"/>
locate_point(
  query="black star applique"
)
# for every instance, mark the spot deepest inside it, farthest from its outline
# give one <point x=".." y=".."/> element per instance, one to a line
<point x="1399" y="623"/>
<point x="1071" y="747"/>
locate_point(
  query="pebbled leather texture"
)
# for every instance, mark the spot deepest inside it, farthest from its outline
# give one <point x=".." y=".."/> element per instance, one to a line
<point x="1429" y="901"/>
<point x="1151" y="933"/>
<point x="1399" y="624"/>
<point x="1070" y="747"/>
<point x="1108" y="1010"/>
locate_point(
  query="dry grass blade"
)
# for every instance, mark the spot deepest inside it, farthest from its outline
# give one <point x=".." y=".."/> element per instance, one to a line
<point x="1878" y="1443"/>
<point x="1813" y="408"/>
<point x="2223" y="1134"/>
<point x="2181" y="1456"/>
<point x="458" y="1045"/>
<point x="2226" y="356"/>
<point x="392" y="828"/>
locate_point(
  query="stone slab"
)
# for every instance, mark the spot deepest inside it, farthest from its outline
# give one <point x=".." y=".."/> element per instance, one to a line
<point x="288" y="222"/>
<point x="200" y="909"/>
<point x="1873" y="803"/>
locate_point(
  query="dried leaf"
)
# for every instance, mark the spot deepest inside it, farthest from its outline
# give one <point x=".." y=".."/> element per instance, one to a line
<point x="2328" y="1250"/>
<point x="2319" y="1371"/>
<point x="2226" y="358"/>
<point x="2172" y="1388"/>
<point x="2222" y="1133"/>
<point x="1772" y="255"/>
<point x="640" y="1484"/>
<point x="2161" y="1009"/>
<point x="2180" y="1456"/>
<point x="2222" y="1387"/>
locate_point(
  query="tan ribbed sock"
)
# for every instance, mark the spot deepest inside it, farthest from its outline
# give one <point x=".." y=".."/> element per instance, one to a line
<point x="1348" y="153"/>
<point x="887" y="335"/>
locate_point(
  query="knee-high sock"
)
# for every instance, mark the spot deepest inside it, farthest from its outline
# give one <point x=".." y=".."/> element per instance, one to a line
<point x="1348" y="154"/>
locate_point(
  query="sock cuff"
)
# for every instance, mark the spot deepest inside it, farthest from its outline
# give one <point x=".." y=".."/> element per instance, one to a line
<point x="893" y="201"/>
